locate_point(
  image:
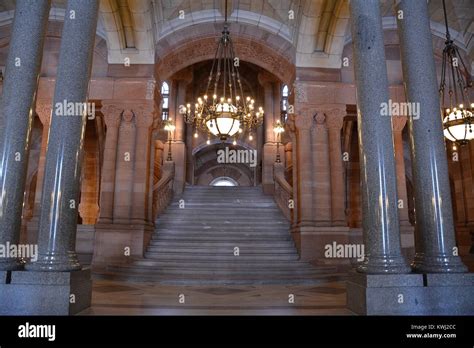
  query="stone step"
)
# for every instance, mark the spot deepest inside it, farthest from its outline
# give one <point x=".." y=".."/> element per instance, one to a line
<point x="243" y="250"/>
<point x="234" y="224"/>
<point x="223" y="214"/>
<point x="221" y="271"/>
<point x="222" y="238"/>
<point x="188" y="280"/>
<point x="191" y="264"/>
<point x="220" y="244"/>
<point x="244" y="256"/>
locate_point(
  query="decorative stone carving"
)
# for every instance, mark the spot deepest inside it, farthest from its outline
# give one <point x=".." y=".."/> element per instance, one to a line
<point x="112" y="114"/>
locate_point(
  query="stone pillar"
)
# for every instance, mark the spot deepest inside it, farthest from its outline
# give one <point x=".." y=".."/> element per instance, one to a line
<point x="179" y="146"/>
<point x="60" y="200"/>
<point x="124" y="168"/>
<point x="159" y="147"/>
<point x="335" y="119"/>
<point x="112" y="116"/>
<point x="379" y="190"/>
<point x="269" y="148"/>
<point x="321" y="188"/>
<point x="288" y="156"/>
<point x="19" y="87"/>
<point x="304" y="180"/>
<point x="142" y="158"/>
<point x="436" y="250"/>
<point x="180" y="101"/>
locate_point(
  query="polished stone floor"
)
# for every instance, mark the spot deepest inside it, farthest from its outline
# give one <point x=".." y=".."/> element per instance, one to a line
<point x="126" y="298"/>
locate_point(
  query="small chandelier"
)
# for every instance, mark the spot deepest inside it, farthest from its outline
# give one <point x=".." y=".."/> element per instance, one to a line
<point x="223" y="111"/>
<point x="458" y="117"/>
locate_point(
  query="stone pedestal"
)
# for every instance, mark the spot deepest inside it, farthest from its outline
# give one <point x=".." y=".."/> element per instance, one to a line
<point x="179" y="158"/>
<point x="312" y="241"/>
<point x="268" y="159"/>
<point x="119" y="243"/>
<point x="45" y="293"/>
<point x="411" y="294"/>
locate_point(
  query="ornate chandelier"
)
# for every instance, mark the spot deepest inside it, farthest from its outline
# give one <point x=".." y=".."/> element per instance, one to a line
<point x="223" y="111"/>
<point x="458" y="117"/>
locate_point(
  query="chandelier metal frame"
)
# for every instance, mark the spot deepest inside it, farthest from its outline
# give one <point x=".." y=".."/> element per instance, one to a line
<point x="458" y="117"/>
<point x="228" y="114"/>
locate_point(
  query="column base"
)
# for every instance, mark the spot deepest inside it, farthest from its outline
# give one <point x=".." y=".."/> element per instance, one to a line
<point x="438" y="264"/>
<point x="411" y="294"/>
<point x="54" y="262"/>
<point x="45" y="293"/>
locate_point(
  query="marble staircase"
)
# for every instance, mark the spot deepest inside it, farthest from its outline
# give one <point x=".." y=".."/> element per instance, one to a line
<point x="223" y="235"/>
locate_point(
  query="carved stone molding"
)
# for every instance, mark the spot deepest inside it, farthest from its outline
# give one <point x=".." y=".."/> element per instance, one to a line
<point x="112" y="114"/>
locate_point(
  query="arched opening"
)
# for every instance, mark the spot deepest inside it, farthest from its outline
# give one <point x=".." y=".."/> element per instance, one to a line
<point x="224" y="181"/>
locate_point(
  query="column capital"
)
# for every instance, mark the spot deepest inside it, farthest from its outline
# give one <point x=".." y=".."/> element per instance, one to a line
<point x="44" y="109"/>
<point x="335" y="117"/>
<point x="398" y="123"/>
<point x="144" y="115"/>
<point x="304" y="120"/>
<point x="112" y="113"/>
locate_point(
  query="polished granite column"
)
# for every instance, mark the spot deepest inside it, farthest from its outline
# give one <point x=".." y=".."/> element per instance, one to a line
<point x="19" y="90"/>
<point x="435" y="237"/>
<point x="378" y="182"/>
<point x="60" y="201"/>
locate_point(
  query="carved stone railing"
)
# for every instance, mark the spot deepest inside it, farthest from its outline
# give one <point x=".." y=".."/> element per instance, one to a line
<point x="163" y="189"/>
<point x="283" y="193"/>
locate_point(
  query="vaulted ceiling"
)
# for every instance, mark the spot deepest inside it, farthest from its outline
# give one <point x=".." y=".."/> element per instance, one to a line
<point x="313" y="32"/>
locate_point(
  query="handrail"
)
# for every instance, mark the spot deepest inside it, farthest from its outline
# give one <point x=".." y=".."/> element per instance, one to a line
<point x="163" y="189"/>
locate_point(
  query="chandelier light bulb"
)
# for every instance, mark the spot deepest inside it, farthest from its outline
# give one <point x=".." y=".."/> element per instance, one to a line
<point x="248" y="99"/>
<point x="461" y="106"/>
<point x="250" y="137"/>
<point x="472" y="105"/>
<point x="234" y="142"/>
<point x="240" y="130"/>
<point x="237" y="98"/>
<point x="196" y="135"/>
<point x="214" y="96"/>
<point x="188" y="106"/>
<point x="222" y="99"/>
<point x="205" y="97"/>
<point x="208" y="142"/>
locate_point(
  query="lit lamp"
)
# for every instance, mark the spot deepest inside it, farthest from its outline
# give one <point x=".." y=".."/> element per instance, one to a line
<point x="458" y="112"/>
<point x="278" y="129"/>
<point x="169" y="127"/>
